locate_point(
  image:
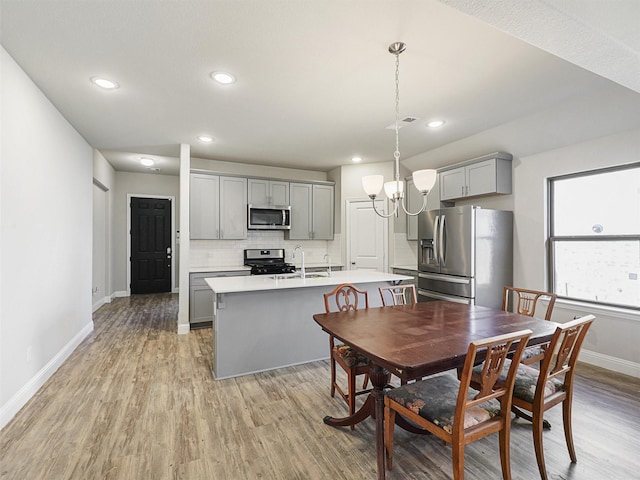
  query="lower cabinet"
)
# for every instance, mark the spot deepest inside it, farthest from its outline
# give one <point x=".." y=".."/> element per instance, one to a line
<point x="201" y="296"/>
<point x="412" y="273"/>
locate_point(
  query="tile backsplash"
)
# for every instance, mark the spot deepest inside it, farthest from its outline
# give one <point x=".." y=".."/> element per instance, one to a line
<point x="228" y="253"/>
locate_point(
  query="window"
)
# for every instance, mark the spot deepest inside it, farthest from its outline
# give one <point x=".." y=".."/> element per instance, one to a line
<point x="594" y="236"/>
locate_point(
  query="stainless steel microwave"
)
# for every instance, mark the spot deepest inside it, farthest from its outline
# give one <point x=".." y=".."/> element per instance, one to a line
<point x="269" y="217"/>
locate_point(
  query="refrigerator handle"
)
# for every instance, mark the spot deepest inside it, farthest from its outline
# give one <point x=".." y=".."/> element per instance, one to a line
<point x="436" y="257"/>
<point x="441" y="242"/>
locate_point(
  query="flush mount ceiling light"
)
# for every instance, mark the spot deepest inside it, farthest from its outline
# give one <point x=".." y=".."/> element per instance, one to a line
<point x="435" y="123"/>
<point x="356" y="159"/>
<point x="423" y="180"/>
<point x="223" y="78"/>
<point x="205" y="138"/>
<point x="105" y="83"/>
<point x="146" y="161"/>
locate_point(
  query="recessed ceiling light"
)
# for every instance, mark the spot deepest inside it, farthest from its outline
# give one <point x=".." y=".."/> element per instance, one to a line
<point x="205" y="138"/>
<point x="435" y="123"/>
<point x="224" y="78"/>
<point x="356" y="159"/>
<point x="105" y="83"/>
<point x="147" y="162"/>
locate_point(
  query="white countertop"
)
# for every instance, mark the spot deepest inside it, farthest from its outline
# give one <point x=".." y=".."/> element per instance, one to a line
<point x="243" y="268"/>
<point x="237" y="268"/>
<point x="266" y="282"/>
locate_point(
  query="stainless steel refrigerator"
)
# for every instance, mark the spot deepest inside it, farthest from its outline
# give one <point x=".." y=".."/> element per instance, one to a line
<point x="465" y="254"/>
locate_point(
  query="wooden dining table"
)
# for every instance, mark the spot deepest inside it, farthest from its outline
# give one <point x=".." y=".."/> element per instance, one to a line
<point x="414" y="341"/>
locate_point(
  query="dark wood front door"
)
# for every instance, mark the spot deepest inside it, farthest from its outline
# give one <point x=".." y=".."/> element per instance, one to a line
<point x="151" y="254"/>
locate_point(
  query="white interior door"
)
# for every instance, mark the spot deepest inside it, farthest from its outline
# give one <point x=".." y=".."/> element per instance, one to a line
<point x="367" y="236"/>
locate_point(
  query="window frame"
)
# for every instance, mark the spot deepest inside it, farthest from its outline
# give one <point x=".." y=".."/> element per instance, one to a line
<point x="553" y="239"/>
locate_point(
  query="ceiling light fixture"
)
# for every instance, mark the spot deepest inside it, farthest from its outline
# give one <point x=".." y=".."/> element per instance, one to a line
<point x="147" y="162"/>
<point x="356" y="159"/>
<point x="223" y="78"/>
<point x="436" y="123"/>
<point x="205" y="138"/>
<point x="423" y="180"/>
<point x="105" y="83"/>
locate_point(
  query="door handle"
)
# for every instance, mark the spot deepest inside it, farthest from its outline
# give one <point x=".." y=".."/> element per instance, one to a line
<point x="442" y="252"/>
<point x="436" y="242"/>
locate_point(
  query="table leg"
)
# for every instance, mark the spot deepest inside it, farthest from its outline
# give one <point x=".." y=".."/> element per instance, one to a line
<point x="372" y="407"/>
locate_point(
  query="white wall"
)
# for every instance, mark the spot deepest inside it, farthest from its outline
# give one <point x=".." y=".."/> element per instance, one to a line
<point x="104" y="179"/>
<point x="612" y="341"/>
<point x="249" y="170"/>
<point x="46" y="205"/>
<point x="138" y="184"/>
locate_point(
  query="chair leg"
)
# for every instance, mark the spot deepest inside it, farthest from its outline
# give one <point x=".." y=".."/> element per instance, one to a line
<point x="457" y="458"/>
<point x="505" y="451"/>
<point x="366" y="381"/>
<point x="351" y="395"/>
<point x="333" y="376"/>
<point x="389" y="424"/>
<point x="568" y="434"/>
<point x="537" y="443"/>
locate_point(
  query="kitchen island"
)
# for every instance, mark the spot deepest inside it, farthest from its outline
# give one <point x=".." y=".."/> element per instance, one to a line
<point x="266" y="322"/>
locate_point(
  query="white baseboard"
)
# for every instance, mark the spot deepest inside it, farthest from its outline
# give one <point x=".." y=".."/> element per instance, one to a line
<point x="100" y="303"/>
<point x="22" y="396"/>
<point x="121" y="293"/>
<point x="610" y="363"/>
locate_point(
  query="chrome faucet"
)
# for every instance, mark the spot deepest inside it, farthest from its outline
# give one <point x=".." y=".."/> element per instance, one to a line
<point x="326" y="255"/>
<point x="293" y="256"/>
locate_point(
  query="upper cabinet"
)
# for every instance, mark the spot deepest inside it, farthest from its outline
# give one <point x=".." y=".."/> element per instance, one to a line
<point x="218" y="207"/>
<point x="312" y="212"/>
<point x="490" y="174"/>
<point x="204" y="207"/>
<point x="268" y="192"/>
<point x="414" y="203"/>
<point x="233" y="208"/>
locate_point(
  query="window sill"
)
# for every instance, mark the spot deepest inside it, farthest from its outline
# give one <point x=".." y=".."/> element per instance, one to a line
<point x="581" y="307"/>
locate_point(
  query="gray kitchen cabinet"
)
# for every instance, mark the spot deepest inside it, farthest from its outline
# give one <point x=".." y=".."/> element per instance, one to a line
<point x="204" y="208"/>
<point x="486" y="175"/>
<point x="233" y="208"/>
<point x="411" y="273"/>
<point x="217" y="207"/>
<point x="414" y="202"/>
<point x="201" y="296"/>
<point x="312" y="212"/>
<point x="268" y="192"/>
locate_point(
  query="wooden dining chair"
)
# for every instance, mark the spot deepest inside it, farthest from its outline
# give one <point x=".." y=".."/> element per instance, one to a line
<point x="530" y="303"/>
<point x="445" y="406"/>
<point x="346" y="297"/>
<point x="536" y="391"/>
<point x="397" y="295"/>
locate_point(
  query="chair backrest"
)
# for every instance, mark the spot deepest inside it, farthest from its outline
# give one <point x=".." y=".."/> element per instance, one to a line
<point x="493" y="353"/>
<point x="397" y="295"/>
<point x="346" y="297"/>
<point x="562" y="352"/>
<point x="526" y="302"/>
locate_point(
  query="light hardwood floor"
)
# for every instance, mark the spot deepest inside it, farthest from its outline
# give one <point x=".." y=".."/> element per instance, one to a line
<point x="138" y="401"/>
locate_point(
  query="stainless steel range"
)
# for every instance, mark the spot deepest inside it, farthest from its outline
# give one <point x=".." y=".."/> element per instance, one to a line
<point x="267" y="261"/>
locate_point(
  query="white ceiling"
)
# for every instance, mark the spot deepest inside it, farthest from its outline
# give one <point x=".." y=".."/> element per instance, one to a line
<point x="316" y="83"/>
